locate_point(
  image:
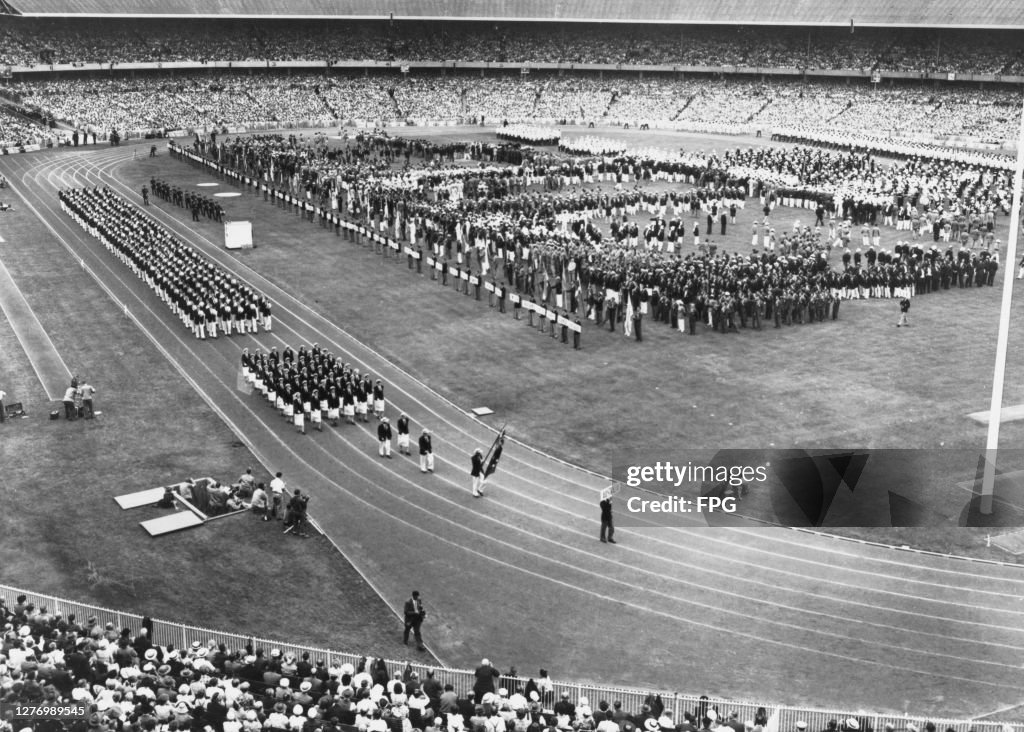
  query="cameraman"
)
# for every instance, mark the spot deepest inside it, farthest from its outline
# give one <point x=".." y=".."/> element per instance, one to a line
<point x="295" y="515"/>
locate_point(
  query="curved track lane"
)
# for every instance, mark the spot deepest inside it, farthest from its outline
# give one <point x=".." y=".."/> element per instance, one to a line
<point x="519" y="575"/>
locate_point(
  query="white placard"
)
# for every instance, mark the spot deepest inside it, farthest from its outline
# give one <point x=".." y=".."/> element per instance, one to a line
<point x="238" y="234"/>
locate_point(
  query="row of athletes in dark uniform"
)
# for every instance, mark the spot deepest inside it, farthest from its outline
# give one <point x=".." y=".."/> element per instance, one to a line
<point x="205" y="298"/>
<point x="312" y="384"/>
<point x="932" y="269"/>
<point x="296" y="382"/>
<point x="187" y="200"/>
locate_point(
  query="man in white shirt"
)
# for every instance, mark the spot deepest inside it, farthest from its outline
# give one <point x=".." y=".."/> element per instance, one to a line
<point x="277" y="487"/>
<point x="69" y="402"/>
<point x="87" y="390"/>
<point x="3" y="410"/>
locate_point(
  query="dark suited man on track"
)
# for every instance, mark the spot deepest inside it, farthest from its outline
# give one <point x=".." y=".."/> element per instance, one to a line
<point x="414" y="616"/>
<point x="607" y="527"/>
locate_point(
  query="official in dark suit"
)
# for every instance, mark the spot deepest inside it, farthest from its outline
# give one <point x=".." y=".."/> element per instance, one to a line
<point x="414" y="616"/>
<point x="607" y="527"/>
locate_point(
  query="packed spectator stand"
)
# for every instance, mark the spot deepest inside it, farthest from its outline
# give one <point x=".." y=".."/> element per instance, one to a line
<point x="709" y="79"/>
<point x="166" y="101"/>
<point x="126" y="673"/>
<point x="26" y="42"/>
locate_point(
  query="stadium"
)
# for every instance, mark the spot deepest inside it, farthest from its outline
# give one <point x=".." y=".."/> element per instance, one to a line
<point x="618" y="366"/>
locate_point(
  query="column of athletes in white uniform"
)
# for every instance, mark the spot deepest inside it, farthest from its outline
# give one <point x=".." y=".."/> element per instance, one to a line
<point x="254" y="313"/>
<point x="333" y="409"/>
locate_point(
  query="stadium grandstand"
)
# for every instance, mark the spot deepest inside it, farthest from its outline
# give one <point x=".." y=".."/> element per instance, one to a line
<point x="460" y="137"/>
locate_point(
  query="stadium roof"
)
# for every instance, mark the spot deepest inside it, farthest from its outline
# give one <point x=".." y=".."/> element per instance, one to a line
<point x="933" y="13"/>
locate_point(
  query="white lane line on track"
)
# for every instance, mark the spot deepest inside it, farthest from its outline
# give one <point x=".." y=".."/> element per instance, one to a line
<point x="51" y="371"/>
<point x="116" y="162"/>
<point x="216" y="409"/>
<point x="654" y="611"/>
<point x="236" y="262"/>
<point x="112" y="160"/>
<point x="416" y="485"/>
<point x="688" y="565"/>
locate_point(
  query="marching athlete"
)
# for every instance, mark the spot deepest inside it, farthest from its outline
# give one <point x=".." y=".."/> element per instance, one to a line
<point x="378" y="399"/>
<point x="426" y="452"/>
<point x="476" y="471"/>
<point x="403" y="435"/>
<point x="384" y="437"/>
<point x="333" y="406"/>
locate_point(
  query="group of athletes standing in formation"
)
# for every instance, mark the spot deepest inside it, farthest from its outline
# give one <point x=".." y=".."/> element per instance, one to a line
<point x="208" y="300"/>
<point x="549" y="247"/>
<point x="187" y="200"/>
<point x="310" y="385"/>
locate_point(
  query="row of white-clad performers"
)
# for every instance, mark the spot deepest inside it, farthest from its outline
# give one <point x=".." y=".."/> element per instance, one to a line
<point x="207" y="299"/>
<point x="310" y="385"/>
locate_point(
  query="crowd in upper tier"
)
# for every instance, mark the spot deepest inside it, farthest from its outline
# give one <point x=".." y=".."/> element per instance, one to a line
<point x="698" y="103"/>
<point x="27" y="42"/>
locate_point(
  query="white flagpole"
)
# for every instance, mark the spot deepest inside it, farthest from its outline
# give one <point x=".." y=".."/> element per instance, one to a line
<point x="996" y="404"/>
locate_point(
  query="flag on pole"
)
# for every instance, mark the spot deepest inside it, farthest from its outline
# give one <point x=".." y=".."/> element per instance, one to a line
<point x="495" y="454"/>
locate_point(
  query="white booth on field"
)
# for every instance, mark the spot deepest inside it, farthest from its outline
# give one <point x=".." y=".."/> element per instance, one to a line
<point x="238" y="234"/>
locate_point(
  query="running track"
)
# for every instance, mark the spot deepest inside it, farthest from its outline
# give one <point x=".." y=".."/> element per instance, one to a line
<point x="519" y="575"/>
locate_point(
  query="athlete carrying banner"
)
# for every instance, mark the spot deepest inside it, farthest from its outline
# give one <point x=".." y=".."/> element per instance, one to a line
<point x="483" y="467"/>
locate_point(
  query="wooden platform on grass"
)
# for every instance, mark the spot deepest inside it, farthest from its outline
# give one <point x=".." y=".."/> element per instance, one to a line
<point x="172" y="522"/>
<point x="139" y="499"/>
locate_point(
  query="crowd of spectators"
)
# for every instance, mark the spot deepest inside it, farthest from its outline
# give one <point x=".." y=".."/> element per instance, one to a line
<point x="126" y="680"/>
<point x="168" y="101"/>
<point x="16" y="131"/>
<point x="28" y="42"/>
<point x="704" y="104"/>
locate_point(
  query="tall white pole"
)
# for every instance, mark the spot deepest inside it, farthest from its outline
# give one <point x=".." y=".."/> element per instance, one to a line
<point x="995" y="408"/>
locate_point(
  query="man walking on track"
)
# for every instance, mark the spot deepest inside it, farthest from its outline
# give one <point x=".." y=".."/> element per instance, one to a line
<point x="384" y="437"/>
<point x="607" y="527"/>
<point x="426" y="452"/>
<point x="403" y="435"/>
<point x="414" y="616"/>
